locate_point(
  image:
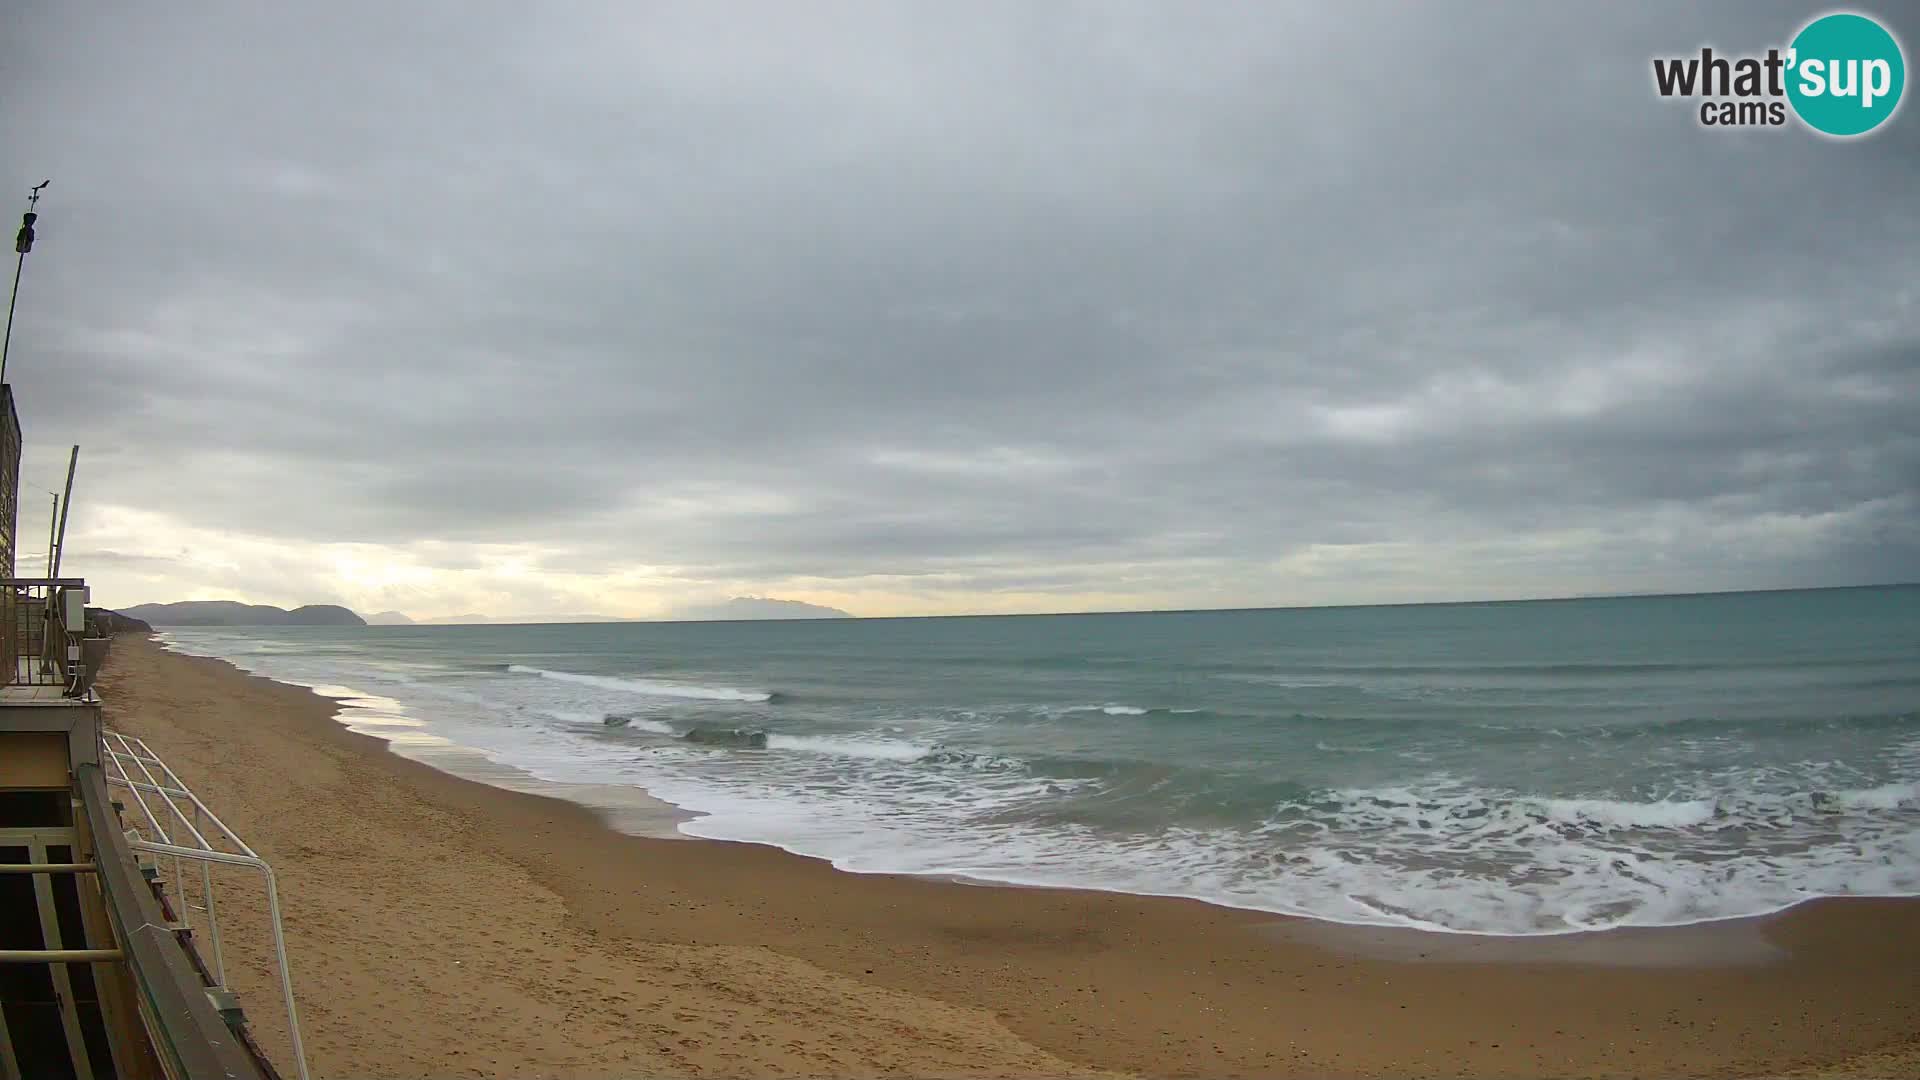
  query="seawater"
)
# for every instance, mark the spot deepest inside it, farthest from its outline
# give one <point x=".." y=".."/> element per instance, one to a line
<point x="1505" y="768"/>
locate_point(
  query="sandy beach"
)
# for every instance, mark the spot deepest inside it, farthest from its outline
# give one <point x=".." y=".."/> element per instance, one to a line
<point x="444" y="927"/>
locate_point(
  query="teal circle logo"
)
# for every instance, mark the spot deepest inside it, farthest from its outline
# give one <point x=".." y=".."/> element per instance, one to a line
<point x="1845" y="74"/>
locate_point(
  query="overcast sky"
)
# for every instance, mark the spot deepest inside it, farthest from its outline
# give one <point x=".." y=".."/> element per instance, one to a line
<point x="948" y="307"/>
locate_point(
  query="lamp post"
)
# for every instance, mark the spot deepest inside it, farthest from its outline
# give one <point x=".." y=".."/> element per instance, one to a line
<point x="22" y="243"/>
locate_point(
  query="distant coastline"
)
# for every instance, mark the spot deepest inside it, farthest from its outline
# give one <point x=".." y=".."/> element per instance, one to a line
<point x="231" y="613"/>
<point x="755" y="607"/>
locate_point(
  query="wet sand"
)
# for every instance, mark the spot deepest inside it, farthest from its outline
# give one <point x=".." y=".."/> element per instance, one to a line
<point x="441" y="926"/>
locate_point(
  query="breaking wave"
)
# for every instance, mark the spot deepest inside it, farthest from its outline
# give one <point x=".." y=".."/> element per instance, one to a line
<point x="649" y="687"/>
<point x="637" y="723"/>
<point x="1447" y="808"/>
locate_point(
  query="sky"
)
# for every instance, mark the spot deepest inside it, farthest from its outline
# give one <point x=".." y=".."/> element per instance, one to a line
<point x="929" y="308"/>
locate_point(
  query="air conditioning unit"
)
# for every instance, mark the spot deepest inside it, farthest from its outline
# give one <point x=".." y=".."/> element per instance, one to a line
<point x="73" y="609"/>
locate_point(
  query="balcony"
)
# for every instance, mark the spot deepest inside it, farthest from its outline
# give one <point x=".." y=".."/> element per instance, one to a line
<point x="100" y="971"/>
<point x="47" y="654"/>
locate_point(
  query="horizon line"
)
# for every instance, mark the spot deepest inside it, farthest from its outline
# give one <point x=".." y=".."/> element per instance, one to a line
<point x="488" y="621"/>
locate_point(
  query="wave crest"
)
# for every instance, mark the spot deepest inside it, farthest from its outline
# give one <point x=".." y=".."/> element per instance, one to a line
<point x="649" y="687"/>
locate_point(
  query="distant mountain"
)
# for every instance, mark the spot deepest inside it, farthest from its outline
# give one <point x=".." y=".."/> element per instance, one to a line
<point x="230" y="613"/>
<point x="323" y="615"/>
<point x="104" y="623"/>
<point x="536" y="619"/>
<point x="388" y="618"/>
<point x="757" y="607"/>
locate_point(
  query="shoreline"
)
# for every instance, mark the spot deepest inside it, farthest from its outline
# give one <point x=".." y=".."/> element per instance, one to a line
<point x="625" y="808"/>
<point x="1043" y="980"/>
<point x="636" y="811"/>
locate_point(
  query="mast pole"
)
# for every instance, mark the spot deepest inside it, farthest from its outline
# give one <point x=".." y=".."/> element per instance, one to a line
<point x="66" y="504"/>
<point x="22" y="243"/>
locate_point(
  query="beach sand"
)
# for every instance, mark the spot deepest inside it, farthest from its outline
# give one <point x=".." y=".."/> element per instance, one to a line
<point x="444" y="927"/>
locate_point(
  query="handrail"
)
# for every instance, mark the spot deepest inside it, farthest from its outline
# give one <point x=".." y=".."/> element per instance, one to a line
<point x="186" y="1030"/>
<point x="59" y="956"/>
<point x="118" y="750"/>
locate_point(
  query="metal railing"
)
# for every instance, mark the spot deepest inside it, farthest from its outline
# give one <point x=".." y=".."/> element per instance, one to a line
<point x="177" y="1014"/>
<point x="42" y="630"/>
<point x="195" y="834"/>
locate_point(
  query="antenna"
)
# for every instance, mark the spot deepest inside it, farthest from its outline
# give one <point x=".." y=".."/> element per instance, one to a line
<point x="66" y="504"/>
<point x="22" y="243"/>
<point x="52" y="520"/>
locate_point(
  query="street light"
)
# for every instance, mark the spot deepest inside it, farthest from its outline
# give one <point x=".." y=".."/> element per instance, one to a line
<point x="22" y="243"/>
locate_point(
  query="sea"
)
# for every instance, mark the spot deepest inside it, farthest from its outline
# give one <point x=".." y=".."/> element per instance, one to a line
<point x="1495" y="768"/>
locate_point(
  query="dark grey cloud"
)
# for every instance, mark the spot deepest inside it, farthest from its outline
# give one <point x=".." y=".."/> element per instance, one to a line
<point x="1190" y="303"/>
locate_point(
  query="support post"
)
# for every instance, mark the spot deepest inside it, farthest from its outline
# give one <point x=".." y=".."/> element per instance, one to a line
<point x="66" y="504"/>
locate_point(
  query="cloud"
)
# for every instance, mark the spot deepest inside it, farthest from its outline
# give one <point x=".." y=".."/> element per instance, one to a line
<point x="925" y="310"/>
